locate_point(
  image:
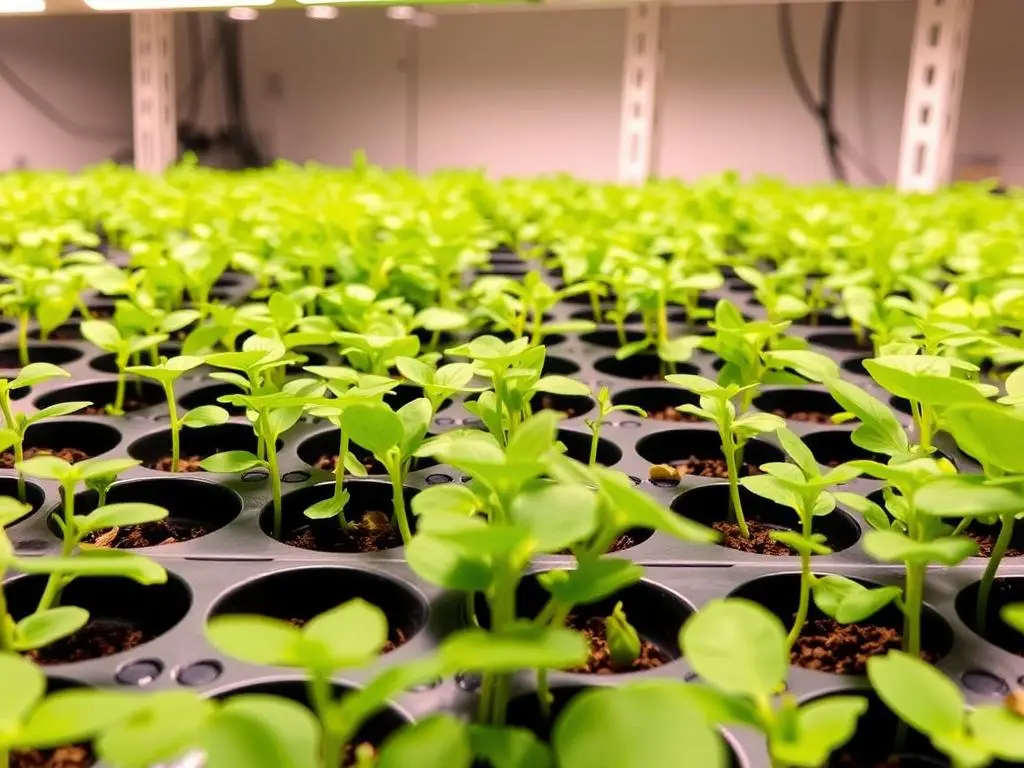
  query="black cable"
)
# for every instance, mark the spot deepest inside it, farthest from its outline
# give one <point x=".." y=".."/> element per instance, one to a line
<point x="238" y="132"/>
<point x="826" y="83"/>
<point x="50" y="111"/>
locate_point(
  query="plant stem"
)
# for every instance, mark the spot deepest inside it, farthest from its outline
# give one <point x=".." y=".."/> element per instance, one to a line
<point x="1006" y="522"/>
<point x="503" y="613"/>
<point x="913" y="600"/>
<point x="730" y="450"/>
<point x="23" y="338"/>
<point x="662" y="320"/>
<point x="172" y="413"/>
<point x="926" y="427"/>
<point x="320" y="697"/>
<point x="118" y="408"/>
<point x="275" y="487"/>
<point x="54" y="582"/>
<point x="806" y="578"/>
<point x="594" y="440"/>
<point x="339" y="474"/>
<point x="6" y="630"/>
<point x="962" y="526"/>
<point x="398" y="498"/>
<point x="19" y="445"/>
<point x="595" y="306"/>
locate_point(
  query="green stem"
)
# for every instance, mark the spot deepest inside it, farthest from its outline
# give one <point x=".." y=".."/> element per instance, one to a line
<point x="594" y="440"/>
<point x="320" y="696"/>
<point x="806" y="579"/>
<point x="925" y="428"/>
<point x="503" y="614"/>
<point x="595" y="306"/>
<point x="23" y="338"/>
<point x="913" y="602"/>
<point x="339" y="473"/>
<point x="118" y="407"/>
<point x="172" y="413"/>
<point x="962" y="526"/>
<point x="1006" y="522"/>
<point x="6" y="630"/>
<point x="54" y="582"/>
<point x="398" y="499"/>
<point x="275" y="486"/>
<point x="730" y="450"/>
<point x="19" y="445"/>
<point x="483" y="713"/>
<point x="662" y="321"/>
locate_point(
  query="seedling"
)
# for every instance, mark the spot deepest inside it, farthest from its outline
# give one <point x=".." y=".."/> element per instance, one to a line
<point x="779" y="304"/>
<point x="165" y="374"/>
<point x="716" y="406"/>
<point x="74" y="528"/>
<point x="623" y="640"/>
<point x="33" y="291"/>
<point x="1014" y="616"/>
<point x="604" y="408"/>
<point x="107" y="337"/>
<point x="16" y="424"/>
<point x="438" y="384"/>
<point x="928" y="701"/>
<point x="373" y="353"/>
<point x="739" y="651"/>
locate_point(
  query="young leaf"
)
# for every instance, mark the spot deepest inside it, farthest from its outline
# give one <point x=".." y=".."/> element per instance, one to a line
<point x="623" y="640"/>
<point x="918" y="693"/>
<point x="120" y="515"/>
<point x="74" y="715"/>
<point x="556" y="515"/>
<point x="822" y="726"/>
<point x="56" y="410"/>
<point x="374" y="426"/>
<point x="327" y="508"/>
<point x="255" y="639"/>
<point x="39" y="629"/>
<point x="232" y="461"/>
<point x="37" y="373"/>
<point x="520" y="645"/>
<point x="103" y="334"/>
<point x="1014" y="616"/>
<point x="46" y="468"/>
<point x="591" y="580"/>
<point x="262" y="731"/>
<point x="848" y="602"/>
<point x="455" y="499"/>
<point x="880" y="431"/>
<point x="163" y="727"/>
<point x="440" y="741"/>
<point x="100" y="467"/>
<point x="204" y="416"/>
<point x="24" y="686"/>
<point x="893" y="547"/>
<point x="351" y="634"/>
<point x="561" y="385"/>
<point x="989" y="433"/>
<point x="738" y="647"/>
<point x="509" y="747"/>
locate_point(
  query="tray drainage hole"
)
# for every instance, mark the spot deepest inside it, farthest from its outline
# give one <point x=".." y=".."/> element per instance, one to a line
<point x="296" y="476"/>
<point x="438" y="478"/>
<point x="665" y="483"/>
<point x="1020" y="681"/>
<point x="465" y="479"/>
<point x="472" y="423"/>
<point x="628" y="424"/>
<point x="199" y="672"/>
<point x="984" y="682"/>
<point x="139" y="673"/>
<point x="468" y="681"/>
<point x="692" y="677"/>
<point x="634" y="479"/>
<point x="254" y="475"/>
<point x="32" y="545"/>
<point x="444" y="421"/>
<point x="429" y="685"/>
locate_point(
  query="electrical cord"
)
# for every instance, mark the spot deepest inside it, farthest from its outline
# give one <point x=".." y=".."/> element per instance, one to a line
<point x="826" y="86"/>
<point x="238" y="131"/>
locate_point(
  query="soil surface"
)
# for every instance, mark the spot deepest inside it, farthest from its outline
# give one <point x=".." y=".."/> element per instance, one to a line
<point x="185" y="463"/>
<point x="373" y="533"/>
<point x="73" y="756"/>
<point x="828" y="646"/>
<point x="166" y="531"/>
<point x="987" y="542"/>
<point x="329" y="461"/>
<point x="70" y="455"/>
<point x="671" y="414"/>
<point x="710" y="467"/>
<point x="548" y="403"/>
<point x="625" y="541"/>
<point x="130" y="404"/>
<point x="600" y="661"/>
<point x="759" y="543"/>
<point x="810" y="417"/>
<point x="396" y="635"/>
<point x="95" y="640"/>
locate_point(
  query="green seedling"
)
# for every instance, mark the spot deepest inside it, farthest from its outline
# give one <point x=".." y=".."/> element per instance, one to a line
<point x="33" y="291"/>
<point x="107" y="337"/>
<point x="928" y="701"/>
<point x="144" y="318"/>
<point x="16" y="424"/>
<point x="906" y="535"/>
<point x="1014" y="616"/>
<point x="716" y="405"/>
<point x="879" y="431"/>
<point x="802" y="487"/>
<point x="992" y="435"/>
<point x="373" y="353"/>
<point x="438" y="384"/>
<point x="623" y="640"/>
<point x="739" y="651"/>
<point x="538" y="297"/>
<point x="772" y="290"/>
<point x="605" y="408"/>
<point x="92" y="560"/>
<point x="165" y="373"/>
<point x="393" y="437"/>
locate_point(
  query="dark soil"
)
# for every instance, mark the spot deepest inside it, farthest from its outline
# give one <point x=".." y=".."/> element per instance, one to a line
<point x="73" y="756"/>
<point x="95" y="640"/>
<point x="166" y="531"/>
<point x="70" y="455"/>
<point x="625" y="541"/>
<point x="759" y="543"/>
<point x="828" y="646"/>
<point x="671" y="414"/>
<point x="548" y="403"/>
<point x="599" y="662"/>
<point x="373" y="533"/>
<point x="329" y="461"/>
<point x="396" y="636"/>
<point x="987" y="542"/>
<point x="185" y="464"/>
<point x="710" y="467"/>
<point x="130" y="404"/>
<point x="810" y="417"/>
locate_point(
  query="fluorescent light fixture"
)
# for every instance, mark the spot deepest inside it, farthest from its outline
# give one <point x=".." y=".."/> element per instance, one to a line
<point x="242" y="13"/>
<point x="166" y="5"/>
<point x="22" y="6"/>
<point x="322" y="12"/>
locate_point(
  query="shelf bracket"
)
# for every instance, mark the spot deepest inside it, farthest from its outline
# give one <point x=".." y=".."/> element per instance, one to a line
<point x="932" y="111"/>
<point x="641" y="71"/>
<point x="154" y="111"/>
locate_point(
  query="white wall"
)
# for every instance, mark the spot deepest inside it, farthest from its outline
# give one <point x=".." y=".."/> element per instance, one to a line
<point x="526" y="93"/>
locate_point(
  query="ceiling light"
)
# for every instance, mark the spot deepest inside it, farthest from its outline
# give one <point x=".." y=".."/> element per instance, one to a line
<point x="241" y="13"/>
<point x="22" y="6"/>
<point x="165" y="5"/>
<point x="322" y="12"/>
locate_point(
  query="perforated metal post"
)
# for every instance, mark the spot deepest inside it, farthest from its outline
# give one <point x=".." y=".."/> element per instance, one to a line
<point x="932" y="111"/>
<point x="153" y="95"/>
<point x="640" y="74"/>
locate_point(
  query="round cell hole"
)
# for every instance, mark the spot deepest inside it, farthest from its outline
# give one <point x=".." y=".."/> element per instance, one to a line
<point x="806" y="405"/>
<point x="642" y="367"/>
<point x="468" y="681"/>
<point x="611" y="339"/>
<point x="296" y="476"/>
<point x="1006" y="590"/>
<point x="660" y="402"/>
<point x="138" y="395"/>
<point x="855" y="365"/>
<point x="370" y="508"/>
<point x="299" y="594"/>
<point x="404" y="394"/>
<point x="55" y="354"/>
<point x="571" y="405"/>
<point x="210" y="396"/>
<point x="139" y="673"/>
<point x="195" y="508"/>
<point x="154" y="450"/>
<point x="839" y="341"/>
<point x="709" y="504"/>
<point x="67" y="332"/>
<point x="558" y="366"/>
<point x="321" y="451"/>
<point x="823" y="319"/>
<point x="312" y="358"/>
<point x="35" y="496"/>
<point x="984" y="682"/>
<point x="699" y="452"/>
<point x="122" y="613"/>
<point x="199" y="673"/>
<point x="108" y="363"/>
<point x="902" y="405"/>
<point x="842" y="644"/>
<point x="835" y="447"/>
<point x="578" y="446"/>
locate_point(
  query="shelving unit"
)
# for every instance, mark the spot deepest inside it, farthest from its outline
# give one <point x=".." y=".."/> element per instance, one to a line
<point x="931" y="104"/>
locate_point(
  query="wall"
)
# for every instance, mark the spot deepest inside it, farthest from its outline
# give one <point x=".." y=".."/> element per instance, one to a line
<point x="525" y="93"/>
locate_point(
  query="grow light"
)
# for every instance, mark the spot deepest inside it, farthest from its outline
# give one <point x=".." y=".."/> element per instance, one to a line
<point x="22" y="6"/>
<point x="166" y="5"/>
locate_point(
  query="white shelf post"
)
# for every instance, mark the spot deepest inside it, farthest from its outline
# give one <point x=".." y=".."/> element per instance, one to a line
<point x="640" y="74"/>
<point x="932" y="111"/>
<point x="154" y="118"/>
